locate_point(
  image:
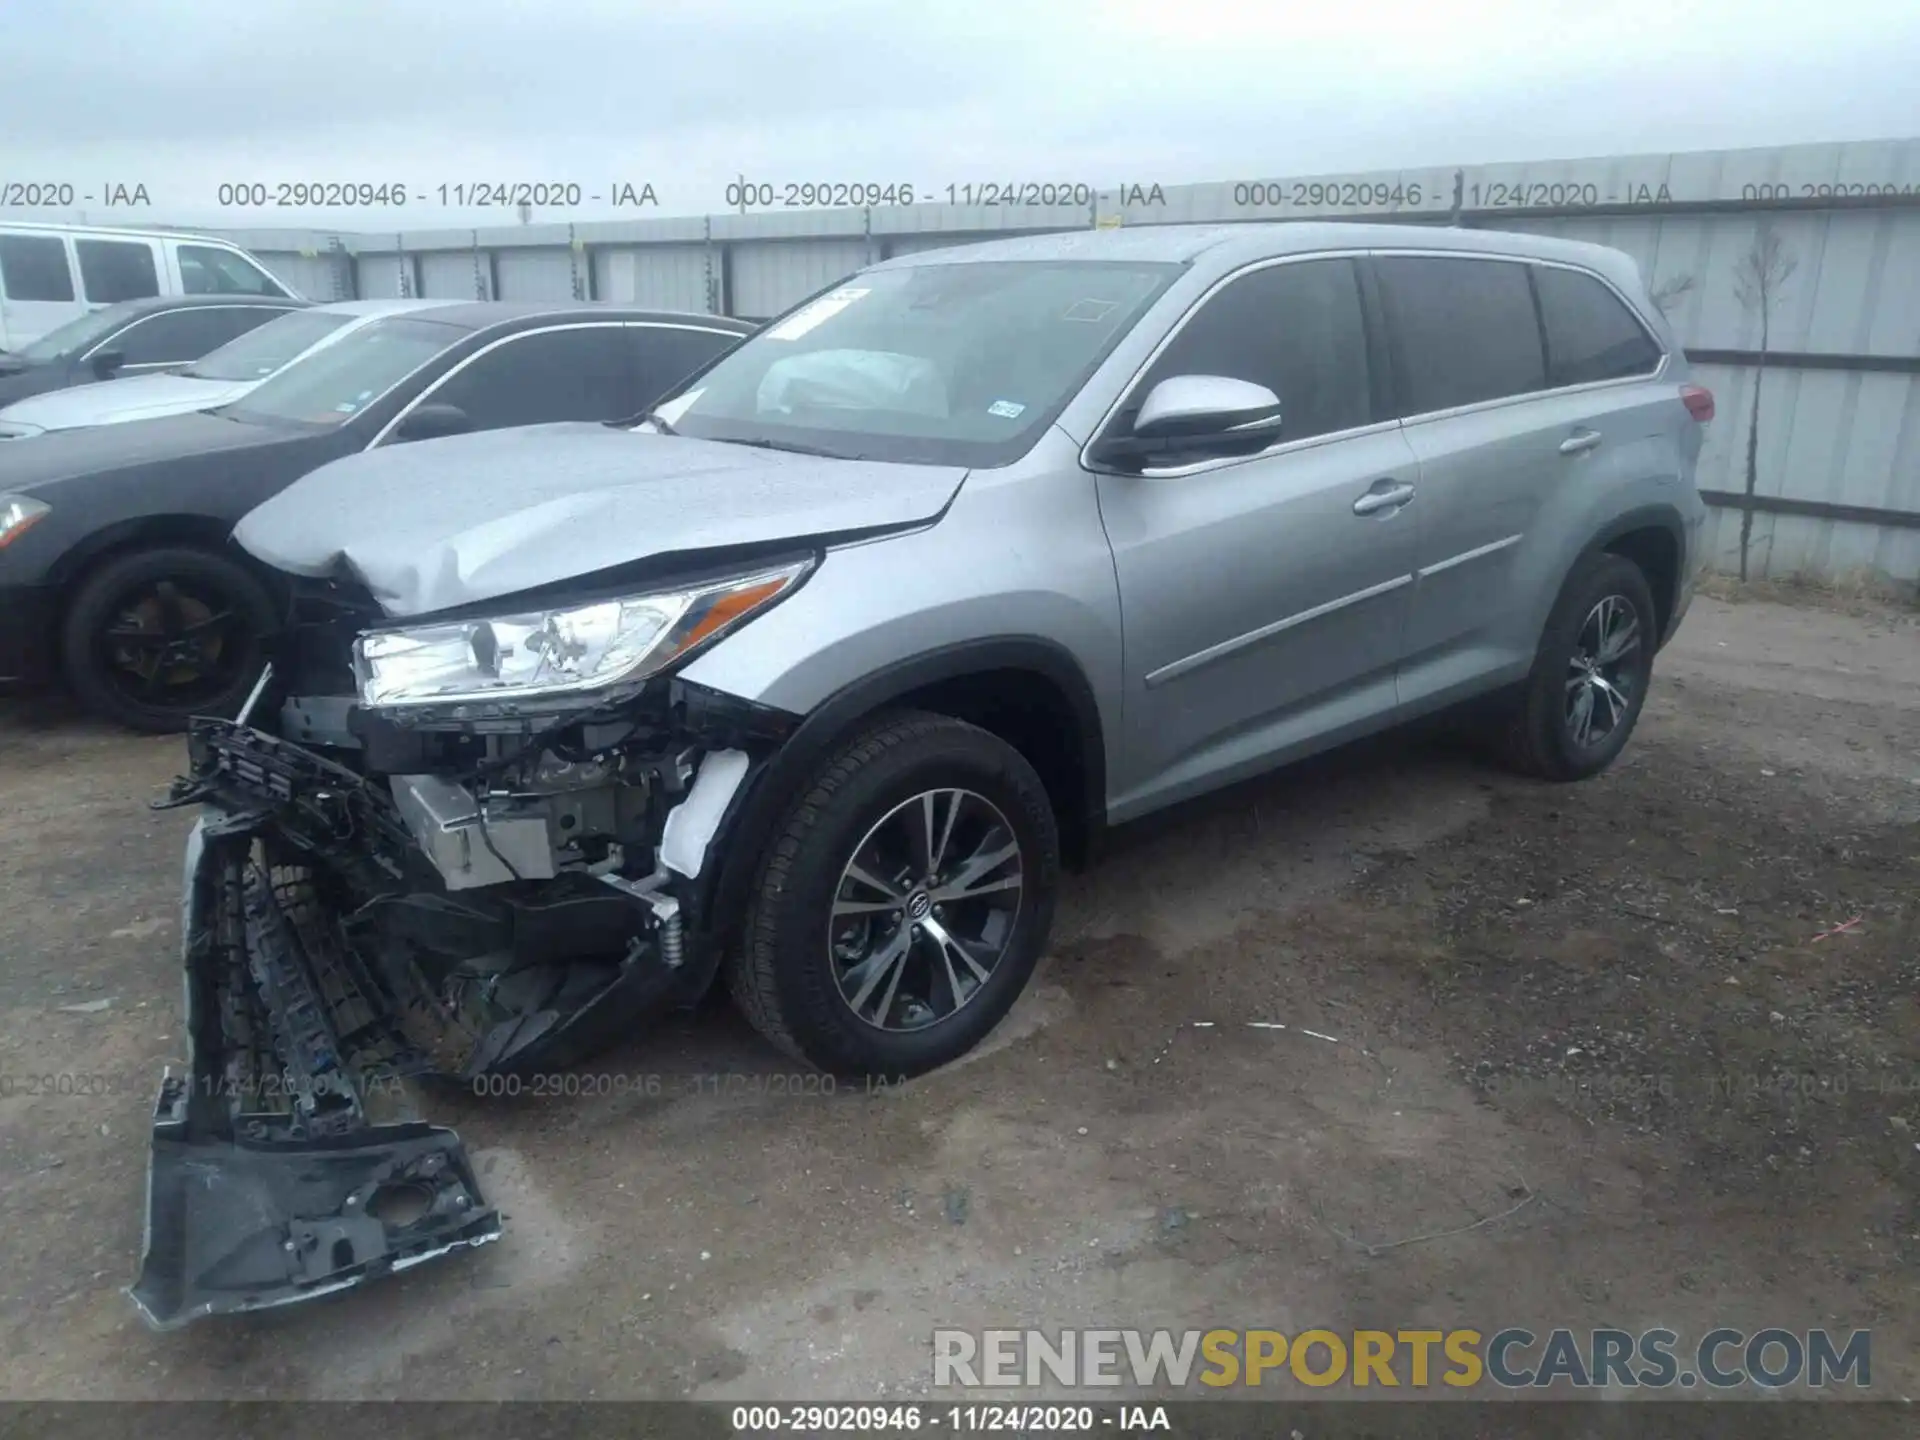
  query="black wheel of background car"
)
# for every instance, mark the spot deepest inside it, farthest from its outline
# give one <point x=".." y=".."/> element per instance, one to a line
<point x="903" y="901"/>
<point x="154" y="637"/>
<point x="1590" y="676"/>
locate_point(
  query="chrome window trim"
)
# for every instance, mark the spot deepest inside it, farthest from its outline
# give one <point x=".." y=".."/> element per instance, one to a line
<point x="1174" y="669"/>
<point x="1377" y="426"/>
<point x="138" y="321"/>
<point x="493" y="345"/>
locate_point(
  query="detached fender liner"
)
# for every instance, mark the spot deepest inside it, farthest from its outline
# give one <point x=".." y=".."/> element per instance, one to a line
<point x="273" y="1176"/>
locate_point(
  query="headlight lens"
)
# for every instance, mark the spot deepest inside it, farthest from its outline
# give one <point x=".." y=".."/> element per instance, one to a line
<point x="17" y="512"/>
<point x="560" y="651"/>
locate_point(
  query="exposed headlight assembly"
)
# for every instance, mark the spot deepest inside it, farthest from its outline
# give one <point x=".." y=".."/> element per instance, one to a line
<point x="17" y="512"/>
<point x="562" y="651"/>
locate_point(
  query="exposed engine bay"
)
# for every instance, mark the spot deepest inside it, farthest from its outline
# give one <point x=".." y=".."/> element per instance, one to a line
<point x="375" y="905"/>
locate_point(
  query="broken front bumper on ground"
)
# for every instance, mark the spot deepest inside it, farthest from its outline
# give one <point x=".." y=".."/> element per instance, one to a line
<point x="354" y="936"/>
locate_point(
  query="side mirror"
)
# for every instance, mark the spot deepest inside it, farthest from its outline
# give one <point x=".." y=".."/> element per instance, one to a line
<point x="1213" y="414"/>
<point x="429" y="422"/>
<point x="106" y="363"/>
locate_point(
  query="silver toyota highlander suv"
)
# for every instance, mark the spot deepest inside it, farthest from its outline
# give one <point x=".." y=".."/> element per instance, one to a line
<point x="812" y="677"/>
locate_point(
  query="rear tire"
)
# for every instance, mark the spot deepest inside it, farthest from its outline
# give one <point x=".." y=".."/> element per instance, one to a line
<point x="911" y="962"/>
<point x="1577" y="708"/>
<point x="155" y="637"/>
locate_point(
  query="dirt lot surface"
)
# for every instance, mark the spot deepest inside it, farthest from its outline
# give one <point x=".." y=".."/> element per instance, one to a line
<point x="1614" y="1021"/>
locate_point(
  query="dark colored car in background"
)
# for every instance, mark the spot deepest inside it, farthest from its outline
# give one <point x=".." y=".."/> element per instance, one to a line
<point x="135" y="337"/>
<point x="114" y="562"/>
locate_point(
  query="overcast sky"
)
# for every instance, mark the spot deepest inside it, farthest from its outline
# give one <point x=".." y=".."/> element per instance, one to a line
<point x="180" y="95"/>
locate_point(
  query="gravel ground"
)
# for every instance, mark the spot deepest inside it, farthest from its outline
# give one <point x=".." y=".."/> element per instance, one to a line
<point x="1661" y="1025"/>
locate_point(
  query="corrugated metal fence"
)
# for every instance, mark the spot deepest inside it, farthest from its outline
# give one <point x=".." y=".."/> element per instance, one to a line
<point x="1824" y="239"/>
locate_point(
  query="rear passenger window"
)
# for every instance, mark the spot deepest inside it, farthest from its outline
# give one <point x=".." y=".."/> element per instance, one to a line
<point x="1464" y="331"/>
<point x="1591" y="335"/>
<point x="113" y="270"/>
<point x="175" y="337"/>
<point x="1294" y="328"/>
<point x="34" y="267"/>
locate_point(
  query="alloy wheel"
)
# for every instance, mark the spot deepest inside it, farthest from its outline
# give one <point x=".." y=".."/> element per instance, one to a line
<point x="925" y="909"/>
<point x="1603" y="671"/>
<point x="172" y="644"/>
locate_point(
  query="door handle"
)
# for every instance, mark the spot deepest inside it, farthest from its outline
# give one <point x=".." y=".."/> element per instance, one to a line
<point x="1578" y="441"/>
<point x="1385" y="495"/>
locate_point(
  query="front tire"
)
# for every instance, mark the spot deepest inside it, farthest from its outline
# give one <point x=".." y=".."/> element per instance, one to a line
<point x="155" y="637"/>
<point x="1579" y="704"/>
<point x="903" y="902"/>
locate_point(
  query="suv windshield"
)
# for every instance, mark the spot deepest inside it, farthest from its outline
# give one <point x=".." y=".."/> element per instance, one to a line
<point x="944" y="364"/>
<point x="264" y="349"/>
<point x="338" y="381"/>
<point x="76" y="334"/>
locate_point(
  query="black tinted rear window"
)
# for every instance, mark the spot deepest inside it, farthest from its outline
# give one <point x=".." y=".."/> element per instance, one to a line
<point x="1591" y="335"/>
<point x="1464" y="330"/>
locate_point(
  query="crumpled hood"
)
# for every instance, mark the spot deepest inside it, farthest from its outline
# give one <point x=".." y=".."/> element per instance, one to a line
<point x="138" y="397"/>
<point x="440" y="523"/>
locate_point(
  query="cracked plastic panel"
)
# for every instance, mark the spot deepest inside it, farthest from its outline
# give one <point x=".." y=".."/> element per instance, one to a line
<point x="337" y="968"/>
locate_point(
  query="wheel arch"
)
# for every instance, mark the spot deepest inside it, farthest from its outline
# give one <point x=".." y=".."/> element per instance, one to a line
<point x="1653" y="537"/>
<point x="142" y="532"/>
<point x="1027" y="689"/>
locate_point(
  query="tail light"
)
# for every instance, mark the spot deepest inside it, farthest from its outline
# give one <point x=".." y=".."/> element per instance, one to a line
<point x="1699" y="402"/>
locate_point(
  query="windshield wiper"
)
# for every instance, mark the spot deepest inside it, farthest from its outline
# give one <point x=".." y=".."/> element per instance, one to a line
<point x="794" y="448"/>
<point x="653" y="417"/>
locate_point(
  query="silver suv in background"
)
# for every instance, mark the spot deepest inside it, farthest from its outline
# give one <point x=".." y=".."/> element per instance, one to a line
<point x="219" y="377"/>
<point x="811" y="679"/>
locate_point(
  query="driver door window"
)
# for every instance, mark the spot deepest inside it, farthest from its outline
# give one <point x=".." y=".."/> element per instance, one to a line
<point x="178" y="337"/>
<point x="576" y="373"/>
<point x="1303" y="606"/>
<point x="205" y="270"/>
<point x="1294" y="328"/>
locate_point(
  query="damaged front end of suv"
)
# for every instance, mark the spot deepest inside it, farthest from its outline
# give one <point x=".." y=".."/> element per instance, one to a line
<point x="437" y="851"/>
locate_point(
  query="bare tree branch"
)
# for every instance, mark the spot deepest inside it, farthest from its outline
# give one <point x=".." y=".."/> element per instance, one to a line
<point x="1758" y="278"/>
<point x="1670" y="292"/>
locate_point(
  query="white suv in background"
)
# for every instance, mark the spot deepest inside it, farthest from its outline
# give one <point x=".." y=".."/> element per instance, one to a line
<point x="50" y="274"/>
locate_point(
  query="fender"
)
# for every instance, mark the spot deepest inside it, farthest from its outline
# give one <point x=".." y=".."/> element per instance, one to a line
<point x="748" y="824"/>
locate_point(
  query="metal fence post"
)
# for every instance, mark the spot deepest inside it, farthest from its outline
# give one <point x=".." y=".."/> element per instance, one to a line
<point x="338" y="269"/>
<point x="713" y="289"/>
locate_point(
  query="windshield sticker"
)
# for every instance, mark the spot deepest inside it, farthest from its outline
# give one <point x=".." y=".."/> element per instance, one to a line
<point x="346" y="407"/>
<point x="1090" y="311"/>
<point x="1006" y="409"/>
<point x="818" y="313"/>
